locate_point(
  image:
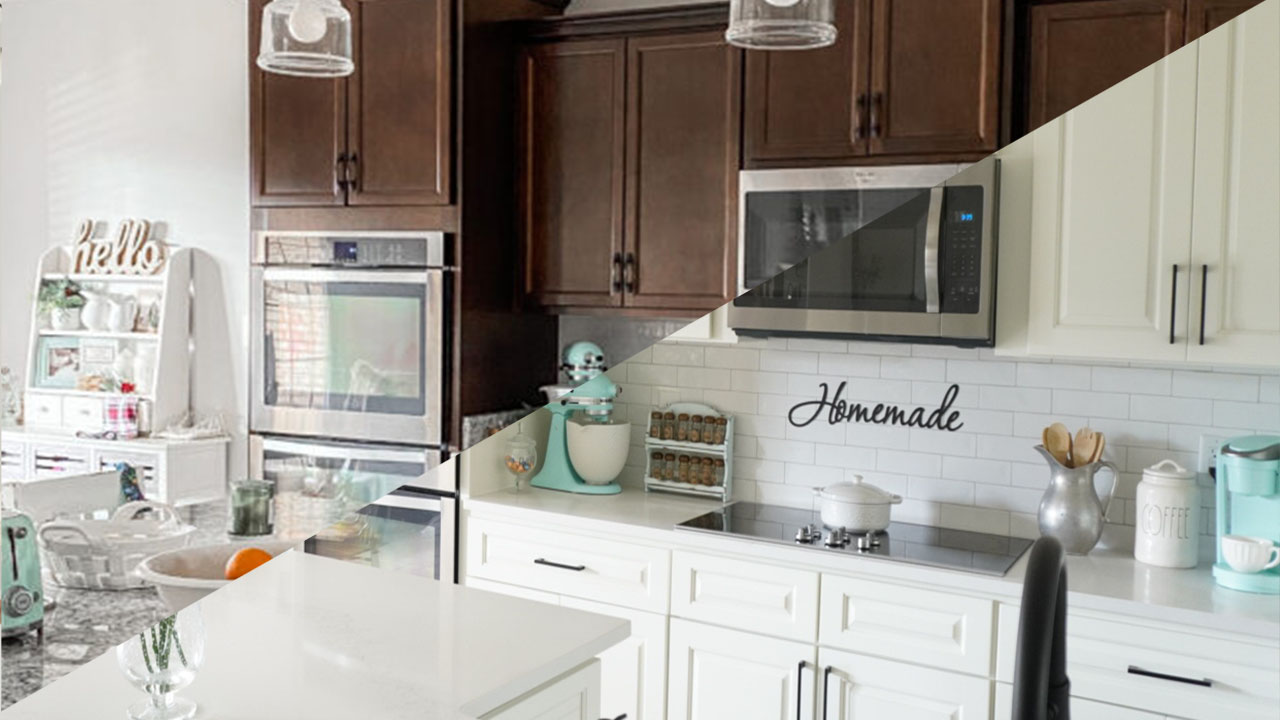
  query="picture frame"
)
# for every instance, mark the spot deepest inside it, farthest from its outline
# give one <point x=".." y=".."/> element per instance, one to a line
<point x="58" y="362"/>
<point x="97" y="355"/>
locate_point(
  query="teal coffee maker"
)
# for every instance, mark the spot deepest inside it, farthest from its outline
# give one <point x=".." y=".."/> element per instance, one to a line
<point x="1248" y="508"/>
<point x="21" y="596"/>
<point x="586" y="449"/>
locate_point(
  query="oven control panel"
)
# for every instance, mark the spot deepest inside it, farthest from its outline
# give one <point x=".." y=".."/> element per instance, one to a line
<point x="391" y="250"/>
<point x="961" y="256"/>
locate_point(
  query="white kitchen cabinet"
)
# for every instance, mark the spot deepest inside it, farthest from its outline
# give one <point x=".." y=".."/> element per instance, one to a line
<point x="633" y="673"/>
<point x="717" y="673"/>
<point x="1111" y="220"/>
<point x="1080" y="708"/>
<point x="575" y="696"/>
<point x="766" y="599"/>
<point x="1235" y="231"/>
<point x="860" y="687"/>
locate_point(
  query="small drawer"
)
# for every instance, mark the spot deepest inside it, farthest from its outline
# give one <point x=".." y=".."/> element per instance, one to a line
<point x="566" y="563"/>
<point x="42" y="410"/>
<point x="83" y="413"/>
<point x="942" y="630"/>
<point x="52" y="460"/>
<point x="749" y="596"/>
<point x="1160" y="668"/>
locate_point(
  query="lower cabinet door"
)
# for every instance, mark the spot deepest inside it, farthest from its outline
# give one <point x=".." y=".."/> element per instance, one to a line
<point x="858" y="687"/>
<point x="1080" y="708"/>
<point x="575" y="696"/>
<point x="633" y="673"/>
<point x="716" y="674"/>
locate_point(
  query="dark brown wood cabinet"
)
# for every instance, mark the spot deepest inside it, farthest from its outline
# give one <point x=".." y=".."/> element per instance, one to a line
<point x="381" y="137"/>
<point x="1206" y="15"/>
<point x="904" y="78"/>
<point x="571" y="154"/>
<point x="628" y="161"/>
<point x="1078" y="49"/>
<point x="682" y="171"/>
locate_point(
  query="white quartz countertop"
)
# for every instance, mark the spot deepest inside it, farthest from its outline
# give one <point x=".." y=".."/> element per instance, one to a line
<point x="316" y="638"/>
<point x="1105" y="580"/>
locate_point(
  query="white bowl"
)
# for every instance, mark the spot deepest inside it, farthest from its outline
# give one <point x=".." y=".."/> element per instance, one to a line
<point x="187" y="575"/>
<point x="598" y="451"/>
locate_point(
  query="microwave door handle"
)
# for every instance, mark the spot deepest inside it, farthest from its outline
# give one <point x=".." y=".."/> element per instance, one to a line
<point x="933" y="229"/>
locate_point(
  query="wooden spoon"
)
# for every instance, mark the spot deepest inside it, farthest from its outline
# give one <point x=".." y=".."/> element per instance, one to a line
<point x="1101" y="445"/>
<point x="1085" y="447"/>
<point x="1057" y="440"/>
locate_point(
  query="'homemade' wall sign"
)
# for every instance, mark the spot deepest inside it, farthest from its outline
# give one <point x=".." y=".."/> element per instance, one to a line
<point x="131" y="252"/>
<point x="838" y="410"/>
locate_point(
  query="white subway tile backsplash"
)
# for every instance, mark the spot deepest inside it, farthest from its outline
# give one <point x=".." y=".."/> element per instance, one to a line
<point x="1132" y="380"/>
<point x="985" y="477"/>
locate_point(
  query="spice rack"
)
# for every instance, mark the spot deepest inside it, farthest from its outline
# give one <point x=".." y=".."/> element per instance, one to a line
<point x="675" y="447"/>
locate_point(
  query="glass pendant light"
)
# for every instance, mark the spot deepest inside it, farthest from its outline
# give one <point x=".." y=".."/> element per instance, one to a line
<point x="309" y="38"/>
<point x="781" y="24"/>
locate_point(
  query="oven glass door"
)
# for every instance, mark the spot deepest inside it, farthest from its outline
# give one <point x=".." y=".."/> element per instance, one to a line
<point x="320" y="484"/>
<point x="346" y="353"/>
<point x="406" y="531"/>
<point x="879" y="268"/>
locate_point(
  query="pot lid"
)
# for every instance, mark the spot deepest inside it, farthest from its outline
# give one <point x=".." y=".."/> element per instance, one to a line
<point x="1169" y="470"/>
<point x="857" y="492"/>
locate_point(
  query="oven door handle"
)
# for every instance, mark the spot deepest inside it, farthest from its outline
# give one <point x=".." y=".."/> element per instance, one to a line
<point x="933" y="229"/>
<point x="296" y="274"/>
<point x="345" y="452"/>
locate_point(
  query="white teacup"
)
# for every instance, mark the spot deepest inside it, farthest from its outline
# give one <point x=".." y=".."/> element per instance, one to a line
<point x="1249" y="554"/>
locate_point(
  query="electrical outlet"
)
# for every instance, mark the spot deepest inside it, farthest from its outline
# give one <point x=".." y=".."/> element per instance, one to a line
<point x="1209" y="446"/>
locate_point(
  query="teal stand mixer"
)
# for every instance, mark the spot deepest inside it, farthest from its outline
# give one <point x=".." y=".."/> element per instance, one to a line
<point x="585" y="449"/>
<point x="1248" y="506"/>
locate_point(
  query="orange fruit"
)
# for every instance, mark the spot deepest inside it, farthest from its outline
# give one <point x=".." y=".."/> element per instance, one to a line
<point x="245" y="560"/>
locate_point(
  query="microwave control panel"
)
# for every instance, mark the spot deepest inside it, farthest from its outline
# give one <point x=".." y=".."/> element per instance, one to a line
<point x="961" y="255"/>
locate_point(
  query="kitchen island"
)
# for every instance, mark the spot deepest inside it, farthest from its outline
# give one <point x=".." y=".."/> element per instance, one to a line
<point x="312" y="637"/>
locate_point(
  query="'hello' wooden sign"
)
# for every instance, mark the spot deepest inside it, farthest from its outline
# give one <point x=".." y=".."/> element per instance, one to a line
<point x="131" y="252"/>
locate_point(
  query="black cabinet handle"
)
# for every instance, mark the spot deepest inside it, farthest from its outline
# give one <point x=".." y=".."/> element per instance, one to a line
<point x="1173" y="303"/>
<point x="859" y="113"/>
<point x="623" y="716"/>
<point x="615" y="274"/>
<point x="1204" y="297"/>
<point x="799" y="685"/>
<point x="629" y="272"/>
<point x="353" y="177"/>
<point x="340" y="172"/>
<point x="1202" y="682"/>
<point x="562" y="566"/>
<point x="826" y="677"/>
<point x="877" y="107"/>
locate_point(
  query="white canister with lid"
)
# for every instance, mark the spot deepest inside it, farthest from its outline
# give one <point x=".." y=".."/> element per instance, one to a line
<point x="1167" y="531"/>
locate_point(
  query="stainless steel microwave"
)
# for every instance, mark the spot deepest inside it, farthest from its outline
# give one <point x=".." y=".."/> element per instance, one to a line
<point x="902" y="253"/>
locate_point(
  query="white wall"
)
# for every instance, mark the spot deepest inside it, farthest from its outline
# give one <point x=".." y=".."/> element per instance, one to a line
<point x="132" y="108"/>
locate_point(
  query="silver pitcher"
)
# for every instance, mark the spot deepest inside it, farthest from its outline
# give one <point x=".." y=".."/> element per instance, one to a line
<point x="1070" y="509"/>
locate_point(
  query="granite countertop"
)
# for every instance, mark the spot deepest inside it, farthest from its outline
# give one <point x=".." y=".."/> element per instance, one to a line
<point x="1107" y="580"/>
<point x="293" y="640"/>
<point x="84" y="624"/>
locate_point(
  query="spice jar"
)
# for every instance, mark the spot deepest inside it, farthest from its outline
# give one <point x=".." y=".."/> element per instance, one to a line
<point x="655" y="424"/>
<point x="682" y="427"/>
<point x="722" y="429"/>
<point x="718" y="478"/>
<point x="669" y="426"/>
<point x="669" y="466"/>
<point x="683" y="473"/>
<point x="709" y="429"/>
<point x="655" y="466"/>
<point x="695" y="428"/>
<point x="708" y="471"/>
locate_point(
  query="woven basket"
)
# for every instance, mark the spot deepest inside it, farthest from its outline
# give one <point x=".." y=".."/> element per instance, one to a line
<point x="104" y="554"/>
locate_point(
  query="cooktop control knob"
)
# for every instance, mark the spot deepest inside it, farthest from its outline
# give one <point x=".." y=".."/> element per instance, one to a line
<point x="838" y="537"/>
<point x="866" y="542"/>
<point x="807" y="534"/>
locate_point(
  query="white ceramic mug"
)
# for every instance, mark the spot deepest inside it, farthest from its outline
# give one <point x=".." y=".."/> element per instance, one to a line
<point x="1249" y="554"/>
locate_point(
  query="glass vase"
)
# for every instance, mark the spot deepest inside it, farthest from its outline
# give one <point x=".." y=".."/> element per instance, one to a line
<point x="162" y="660"/>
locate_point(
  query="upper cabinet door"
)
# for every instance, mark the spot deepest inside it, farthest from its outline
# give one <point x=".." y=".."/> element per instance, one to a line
<point x="1079" y="49"/>
<point x="298" y="130"/>
<point x="1236" y="230"/>
<point x="571" y="148"/>
<point x="400" y="102"/>
<point x="935" y="76"/>
<point x="1111" y="218"/>
<point x="682" y="170"/>
<point x="1205" y="15"/>
<point x="809" y="107"/>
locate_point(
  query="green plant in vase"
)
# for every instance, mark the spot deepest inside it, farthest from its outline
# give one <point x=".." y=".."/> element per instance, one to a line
<point x="162" y="660"/>
<point x="62" y="300"/>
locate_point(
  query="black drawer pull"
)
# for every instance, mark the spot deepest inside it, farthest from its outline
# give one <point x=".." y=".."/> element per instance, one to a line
<point x="562" y="566"/>
<point x="1202" y="682"/>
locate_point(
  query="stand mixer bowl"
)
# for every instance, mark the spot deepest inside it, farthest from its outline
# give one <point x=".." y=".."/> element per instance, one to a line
<point x="598" y="450"/>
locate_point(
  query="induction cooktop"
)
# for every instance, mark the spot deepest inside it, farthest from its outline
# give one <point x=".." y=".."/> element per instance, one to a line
<point x="903" y="542"/>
